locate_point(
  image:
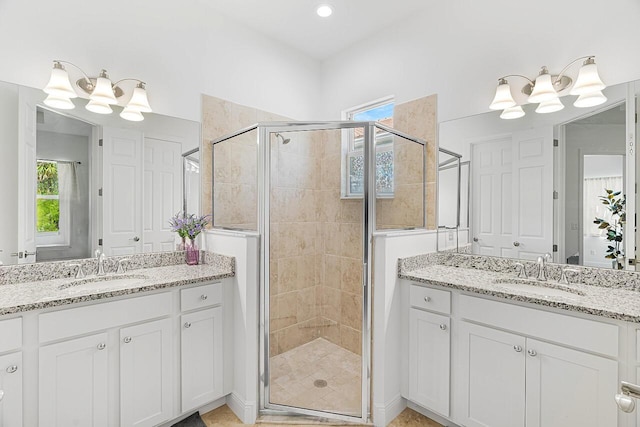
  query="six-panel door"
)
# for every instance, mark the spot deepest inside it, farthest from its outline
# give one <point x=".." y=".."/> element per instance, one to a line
<point x="201" y="352"/>
<point x="73" y="382"/>
<point x="429" y="360"/>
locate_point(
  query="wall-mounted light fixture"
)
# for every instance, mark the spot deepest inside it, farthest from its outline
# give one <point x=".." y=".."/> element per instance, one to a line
<point x="101" y="92"/>
<point x="547" y="89"/>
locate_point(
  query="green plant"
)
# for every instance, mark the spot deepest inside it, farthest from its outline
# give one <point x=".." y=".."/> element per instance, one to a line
<point x="614" y="228"/>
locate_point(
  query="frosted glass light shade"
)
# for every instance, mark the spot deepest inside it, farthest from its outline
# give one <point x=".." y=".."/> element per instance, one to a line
<point x="503" y="98"/>
<point x="588" y="79"/>
<point x="59" y="102"/>
<point x="139" y="101"/>
<point x="103" y="92"/>
<point x="550" y="106"/>
<point x="590" y="100"/>
<point x="512" y="113"/>
<point x="98" y="107"/>
<point x="132" y="115"/>
<point x="543" y="89"/>
<point x="59" y="85"/>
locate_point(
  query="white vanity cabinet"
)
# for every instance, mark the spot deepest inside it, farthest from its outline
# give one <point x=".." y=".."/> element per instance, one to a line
<point x="429" y="349"/>
<point x="201" y="346"/>
<point x="73" y="382"/>
<point x="11" y="368"/>
<point x="146" y="378"/>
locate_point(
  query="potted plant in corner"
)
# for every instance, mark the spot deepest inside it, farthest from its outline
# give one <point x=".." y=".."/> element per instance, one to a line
<point x="614" y="227"/>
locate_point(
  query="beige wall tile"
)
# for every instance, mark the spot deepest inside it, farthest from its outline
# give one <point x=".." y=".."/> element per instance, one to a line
<point x="351" y="310"/>
<point x="351" y="271"/>
<point x="351" y="339"/>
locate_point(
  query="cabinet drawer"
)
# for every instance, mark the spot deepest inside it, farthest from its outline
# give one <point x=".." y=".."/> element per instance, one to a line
<point x="11" y="333"/>
<point x="430" y="299"/>
<point x="201" y="296"/>
<point x="591" y="335"/>
<point x="96" y="317"/>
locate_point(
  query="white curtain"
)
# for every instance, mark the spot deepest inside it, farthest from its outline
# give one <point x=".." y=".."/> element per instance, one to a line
<point x="67" y="189"/>
<point x="594" y="188"/>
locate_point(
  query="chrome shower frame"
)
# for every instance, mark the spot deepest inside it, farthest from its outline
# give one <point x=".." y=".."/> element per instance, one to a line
<point x="264" y="130"/>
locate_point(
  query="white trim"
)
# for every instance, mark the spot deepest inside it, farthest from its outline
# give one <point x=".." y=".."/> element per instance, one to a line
<point x="245" y="411"/>
<point x="367" y="105"/>
<point x="435" y="417"/>
<point x="383" y="415"/>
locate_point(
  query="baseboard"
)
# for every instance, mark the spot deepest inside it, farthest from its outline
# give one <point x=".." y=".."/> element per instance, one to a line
<point x="384" y="414"/>
<point x="246" y="411"/>
<point x="202" y="410"/>
<point x="435" y="417"/>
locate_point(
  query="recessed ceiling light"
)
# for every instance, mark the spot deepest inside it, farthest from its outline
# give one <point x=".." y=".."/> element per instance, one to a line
<point x="324" y="10"/>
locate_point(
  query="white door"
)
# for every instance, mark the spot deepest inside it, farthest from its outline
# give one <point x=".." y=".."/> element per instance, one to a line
<point x="492" y="171"/>
<point x="492" y="365"/>
<point x="162" y="192"/>
<point x="201" y="364"/>
<point x="26" y="179"/>
<point x="73" y="382"/>
<point x="122" y="191"/>
<point x="429" y="362"/>
<point x="11" y="389"/>
<point x="533" y="192"/>
<point x="146" y="386"/>
<point x="569" y="388"/>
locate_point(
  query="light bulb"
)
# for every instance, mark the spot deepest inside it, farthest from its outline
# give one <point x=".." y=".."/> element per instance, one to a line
<point x="543" y="88"/>
<point x="324" y="10"/>
<point x="503" y="98"/>
<point x="512" y="113"/>
<point x="550" y="106"/>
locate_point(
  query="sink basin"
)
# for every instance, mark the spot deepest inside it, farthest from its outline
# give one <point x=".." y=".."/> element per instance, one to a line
<point x="105" y="282"/>
<point x="538" y="287"/>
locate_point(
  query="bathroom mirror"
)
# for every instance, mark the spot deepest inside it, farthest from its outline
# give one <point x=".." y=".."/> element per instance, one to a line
<point x="75" y="181"/>
<point x="535" y="183"/>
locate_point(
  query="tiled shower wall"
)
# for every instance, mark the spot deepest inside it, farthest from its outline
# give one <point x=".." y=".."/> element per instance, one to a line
<point x="316" y="239"/>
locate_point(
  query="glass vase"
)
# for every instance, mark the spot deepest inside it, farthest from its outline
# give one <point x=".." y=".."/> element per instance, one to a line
<point x="193" y="254"/>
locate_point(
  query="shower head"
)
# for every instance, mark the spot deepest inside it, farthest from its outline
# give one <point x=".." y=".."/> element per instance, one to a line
<point x="284" y="140"/>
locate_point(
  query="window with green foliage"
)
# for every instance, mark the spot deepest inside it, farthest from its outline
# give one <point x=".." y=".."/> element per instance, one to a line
<point x="47" y="197"/>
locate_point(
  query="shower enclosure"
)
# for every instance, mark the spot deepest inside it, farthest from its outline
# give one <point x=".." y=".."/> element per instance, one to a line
<point x="316" y="192"/>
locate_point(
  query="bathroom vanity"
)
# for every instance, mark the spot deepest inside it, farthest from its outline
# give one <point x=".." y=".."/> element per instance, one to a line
<point x="484" y="348"/>
<point x="138" y="348"/>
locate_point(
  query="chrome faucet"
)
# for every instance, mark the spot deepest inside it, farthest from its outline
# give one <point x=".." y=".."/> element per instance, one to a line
<point x="521" y="270"/>
<point x="101" y="257"/>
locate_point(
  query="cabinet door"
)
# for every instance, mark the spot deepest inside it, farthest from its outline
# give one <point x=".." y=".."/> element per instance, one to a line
<point x="11" y="389"/>
<point x="569" y="388"/>
<point x="492" y="366"/>
<point x="146" y="380"/>
<point x="73" y="383"/>
<point x="429" y="363"/>
<point x="201" y="357"/>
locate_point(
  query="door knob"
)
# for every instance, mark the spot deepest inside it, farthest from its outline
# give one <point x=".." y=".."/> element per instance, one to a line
<point x="475" y="239"/>
<point x="136" y="239"/>
<point x="516" y="244"/>
<point x="27" y="253"/>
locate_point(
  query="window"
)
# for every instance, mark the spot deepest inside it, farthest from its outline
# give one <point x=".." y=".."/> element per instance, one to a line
<point x="380" y="111"/>
<point x="52" y="214"/>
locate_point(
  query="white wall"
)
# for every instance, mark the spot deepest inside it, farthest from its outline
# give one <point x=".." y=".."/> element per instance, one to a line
<point x="458" y="49"/>
<point x="8" y="172"/>
<point x="181" y="49"/>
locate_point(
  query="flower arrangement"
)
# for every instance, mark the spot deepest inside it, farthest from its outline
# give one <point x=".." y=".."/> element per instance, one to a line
<point x="189" y="226"/>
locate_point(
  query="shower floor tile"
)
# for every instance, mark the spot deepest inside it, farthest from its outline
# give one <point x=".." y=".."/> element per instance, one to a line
<point x="298" y="378"/>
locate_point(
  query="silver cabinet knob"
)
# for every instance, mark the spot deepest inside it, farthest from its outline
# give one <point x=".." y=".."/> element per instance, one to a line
<point x="443" y="327"/>
<point x="11" y="369"/>
<point x="102" y="346"/>
<point x="532" y="353"/>
<point x="517" y="348"/>
<point x="475" y="239"/>
<point x="203" y="297"/>
<point x="187" y="325"/>
<point x="516" y="244"/>
<point x="427" y="299"/>
<point x="127" y="340"/>
<point x="136" y="239"/>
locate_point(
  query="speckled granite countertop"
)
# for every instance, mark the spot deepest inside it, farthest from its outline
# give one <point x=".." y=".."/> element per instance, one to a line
<point x="39" y="294"/>
<point x="617" y="302"/>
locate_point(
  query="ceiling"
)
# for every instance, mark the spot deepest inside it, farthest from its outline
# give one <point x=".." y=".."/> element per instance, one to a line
<point x="295" y="22"/>
<point x="50" y="121"/>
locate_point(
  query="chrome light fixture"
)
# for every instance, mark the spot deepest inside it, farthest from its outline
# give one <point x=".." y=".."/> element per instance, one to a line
<point x="547" y="89"/>
<point x="102" y="93"/>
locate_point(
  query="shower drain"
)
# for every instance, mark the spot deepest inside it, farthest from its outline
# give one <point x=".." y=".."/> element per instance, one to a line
<point x="320" y="383"/>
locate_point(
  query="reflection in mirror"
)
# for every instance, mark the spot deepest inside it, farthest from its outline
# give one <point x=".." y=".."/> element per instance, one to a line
<point x="535" y="183"/>
<point x="449" y="199"/>
<point x="191" y="181"/>
<point x="77" y="181"/>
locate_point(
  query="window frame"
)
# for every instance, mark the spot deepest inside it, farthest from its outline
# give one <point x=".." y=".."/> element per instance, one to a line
<point x="350" y="150"/>
<point x="62" y="237"/>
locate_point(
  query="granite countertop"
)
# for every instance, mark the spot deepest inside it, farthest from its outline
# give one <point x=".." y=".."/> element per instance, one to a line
<point x="33" y="295"/>
<point x="612" y="302"/>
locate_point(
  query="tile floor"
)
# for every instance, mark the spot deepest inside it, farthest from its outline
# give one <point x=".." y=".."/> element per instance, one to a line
<point x="293" y="374"/>
<point x="296" y="373"/>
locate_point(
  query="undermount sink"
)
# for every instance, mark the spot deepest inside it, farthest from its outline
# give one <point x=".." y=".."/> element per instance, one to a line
<point x="538" y="287"/>
<point x="105" y="282"/>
